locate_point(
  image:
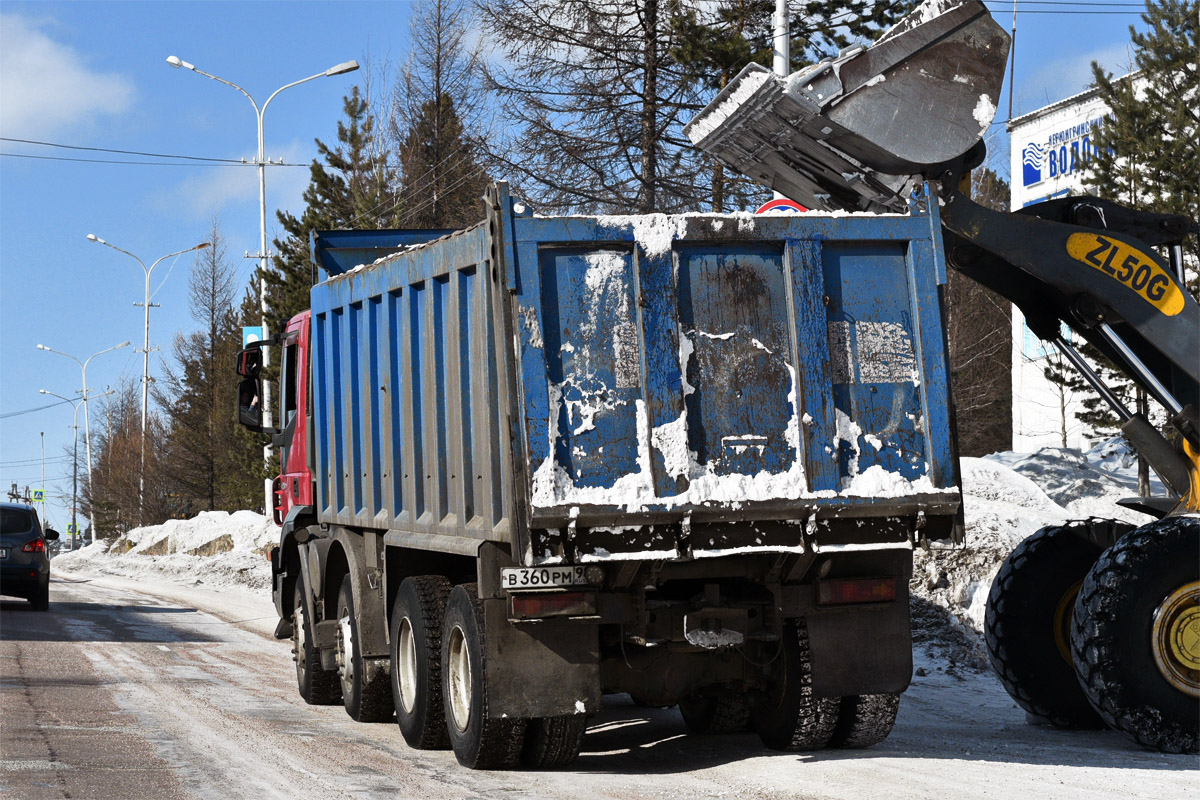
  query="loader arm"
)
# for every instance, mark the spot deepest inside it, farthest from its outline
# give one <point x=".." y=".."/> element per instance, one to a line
<point x="1077" y="262"/>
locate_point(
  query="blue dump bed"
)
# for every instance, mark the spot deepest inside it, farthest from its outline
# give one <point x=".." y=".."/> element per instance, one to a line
<point x="655" y="386"/>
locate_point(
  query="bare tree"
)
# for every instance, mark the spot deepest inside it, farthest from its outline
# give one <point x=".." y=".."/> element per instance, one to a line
<point x="203" y="463"/>
<point x="594" y="102"/>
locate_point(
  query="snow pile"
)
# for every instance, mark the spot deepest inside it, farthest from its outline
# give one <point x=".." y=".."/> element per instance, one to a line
<point x="1007" y="497"/>
<point x="215" y="548"/>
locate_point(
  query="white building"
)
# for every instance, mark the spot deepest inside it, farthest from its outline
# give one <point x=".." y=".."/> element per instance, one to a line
<point x="1048" y="150"/>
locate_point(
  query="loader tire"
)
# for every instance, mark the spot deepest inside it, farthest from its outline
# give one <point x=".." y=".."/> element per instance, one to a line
<point x="1027" y="625"/>
<point x="318" y="687"/>
<point x="366" y="690"/>
<point x="1136" y="635"/>
<point x="790" y="717"/>
<point x="553" y="741"/>
<point x="416" y="650"/>
<point x="865" y="719"/>
<point x="479" y="739"/>
<point x="720" y="714"/>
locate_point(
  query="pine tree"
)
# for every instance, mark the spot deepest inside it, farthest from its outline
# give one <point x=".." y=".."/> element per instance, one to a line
<point x="353" y="188"/>
<point x="1149" y="145"/>
<point x="438" y="100"/>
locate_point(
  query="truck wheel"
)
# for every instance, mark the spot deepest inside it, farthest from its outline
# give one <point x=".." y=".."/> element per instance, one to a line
<point x="1136" y="635"/>
<point x="318" y="687"/>
<point x="553" y="741"/>
<point x="479" y="740"/>
<point x="366" y="693"/>
<point x="726" y="713"/>
<point x="790" y="717"/>
<point x="40" y="599"/>
<point x="416" y="649"/>
<point x="865" y="719"/>
<point x="1027" y="626"/>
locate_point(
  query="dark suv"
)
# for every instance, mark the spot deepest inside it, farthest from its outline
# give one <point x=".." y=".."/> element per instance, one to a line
<point x="24" y="562"/>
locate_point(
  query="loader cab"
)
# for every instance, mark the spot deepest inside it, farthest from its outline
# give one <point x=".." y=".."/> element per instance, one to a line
<point x="293" y="486"/>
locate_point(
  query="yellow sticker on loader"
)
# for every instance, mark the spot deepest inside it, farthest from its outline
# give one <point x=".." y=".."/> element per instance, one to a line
<point x="1130" y="266"/>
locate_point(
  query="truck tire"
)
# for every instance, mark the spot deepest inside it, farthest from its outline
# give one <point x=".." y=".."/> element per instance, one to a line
<point x="1027" y="625"/>
<point x="790" y="717"/>
<point x="725" y="713"/>
<point x="1137" y="653"/>
<point x="318" y="687"/>
<point x="366" y="693"/>
<point x="553" y="741"/>
<point x="39" y="600"/>
<point x="479" y="740"/>
<point x="416" y="650"/>
<point x="865" y="719"/>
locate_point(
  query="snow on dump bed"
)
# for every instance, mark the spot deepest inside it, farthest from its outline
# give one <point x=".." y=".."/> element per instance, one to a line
<point x="553" y="485"/>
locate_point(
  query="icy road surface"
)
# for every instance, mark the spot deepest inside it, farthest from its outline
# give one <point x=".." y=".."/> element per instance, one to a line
<point x="153" y="690"/>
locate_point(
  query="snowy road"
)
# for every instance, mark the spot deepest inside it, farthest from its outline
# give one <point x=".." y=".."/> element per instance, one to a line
<point x="129" y="690"/>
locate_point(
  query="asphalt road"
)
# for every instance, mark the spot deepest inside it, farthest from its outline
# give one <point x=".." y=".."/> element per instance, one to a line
<point x="119" y="693"/>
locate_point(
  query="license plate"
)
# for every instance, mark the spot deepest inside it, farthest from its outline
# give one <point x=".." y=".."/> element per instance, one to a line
<point x="3" y="552"/>
<point x="524" y="578"/>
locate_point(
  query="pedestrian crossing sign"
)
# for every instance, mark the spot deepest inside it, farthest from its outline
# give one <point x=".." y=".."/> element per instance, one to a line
<point x="39" y="496"/>
<point x="72" y="529"/>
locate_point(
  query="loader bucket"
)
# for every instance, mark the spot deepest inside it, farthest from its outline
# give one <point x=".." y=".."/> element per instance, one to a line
<point x="856" y="132"/>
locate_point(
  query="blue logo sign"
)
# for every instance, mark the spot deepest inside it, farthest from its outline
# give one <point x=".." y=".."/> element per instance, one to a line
<point x="1064" y="152"/>
<point x="1031" y="158"/>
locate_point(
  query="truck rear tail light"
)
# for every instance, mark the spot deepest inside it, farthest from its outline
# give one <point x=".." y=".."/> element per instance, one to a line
<point x="538" y="605"/>
<point x="856" y="590"/>
<point x="36" y="546"/>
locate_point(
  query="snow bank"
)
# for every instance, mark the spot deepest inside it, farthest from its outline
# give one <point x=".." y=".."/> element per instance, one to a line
<point x="216" y="549"/>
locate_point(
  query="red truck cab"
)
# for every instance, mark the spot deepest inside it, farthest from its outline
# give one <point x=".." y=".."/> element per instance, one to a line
<point x="293" y="487"/>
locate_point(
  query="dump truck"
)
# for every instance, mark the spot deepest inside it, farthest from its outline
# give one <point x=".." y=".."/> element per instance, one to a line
<point x="545" y="459"/>
<point x="1094" y="622"/>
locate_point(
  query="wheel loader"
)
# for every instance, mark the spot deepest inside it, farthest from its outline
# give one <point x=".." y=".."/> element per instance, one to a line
<point x="1090" y="623"/>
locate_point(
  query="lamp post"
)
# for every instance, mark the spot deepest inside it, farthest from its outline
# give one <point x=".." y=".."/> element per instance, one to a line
<point x="145" y="355"/>
<point x="87" y="424"/>
<point x="339" y="69"/>
<point x="74" y="462"/>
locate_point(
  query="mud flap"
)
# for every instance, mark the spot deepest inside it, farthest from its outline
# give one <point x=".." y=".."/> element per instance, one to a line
<point x="861" y="652"/>
<point x="543" y="669"/>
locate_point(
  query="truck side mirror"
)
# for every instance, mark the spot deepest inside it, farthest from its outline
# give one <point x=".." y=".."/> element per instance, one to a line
<point x="249" y="362"/>
<point x="249" y="400"/>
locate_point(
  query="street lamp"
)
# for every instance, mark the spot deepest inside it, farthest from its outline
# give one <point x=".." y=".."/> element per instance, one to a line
<point x="146" y="356"/>
<point x="74" y="463"/>
<point x="87" y="423"/>
<point x="339" y="69"/>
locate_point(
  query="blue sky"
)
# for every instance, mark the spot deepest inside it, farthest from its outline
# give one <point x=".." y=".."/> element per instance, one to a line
<point x="94" y="74"/>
